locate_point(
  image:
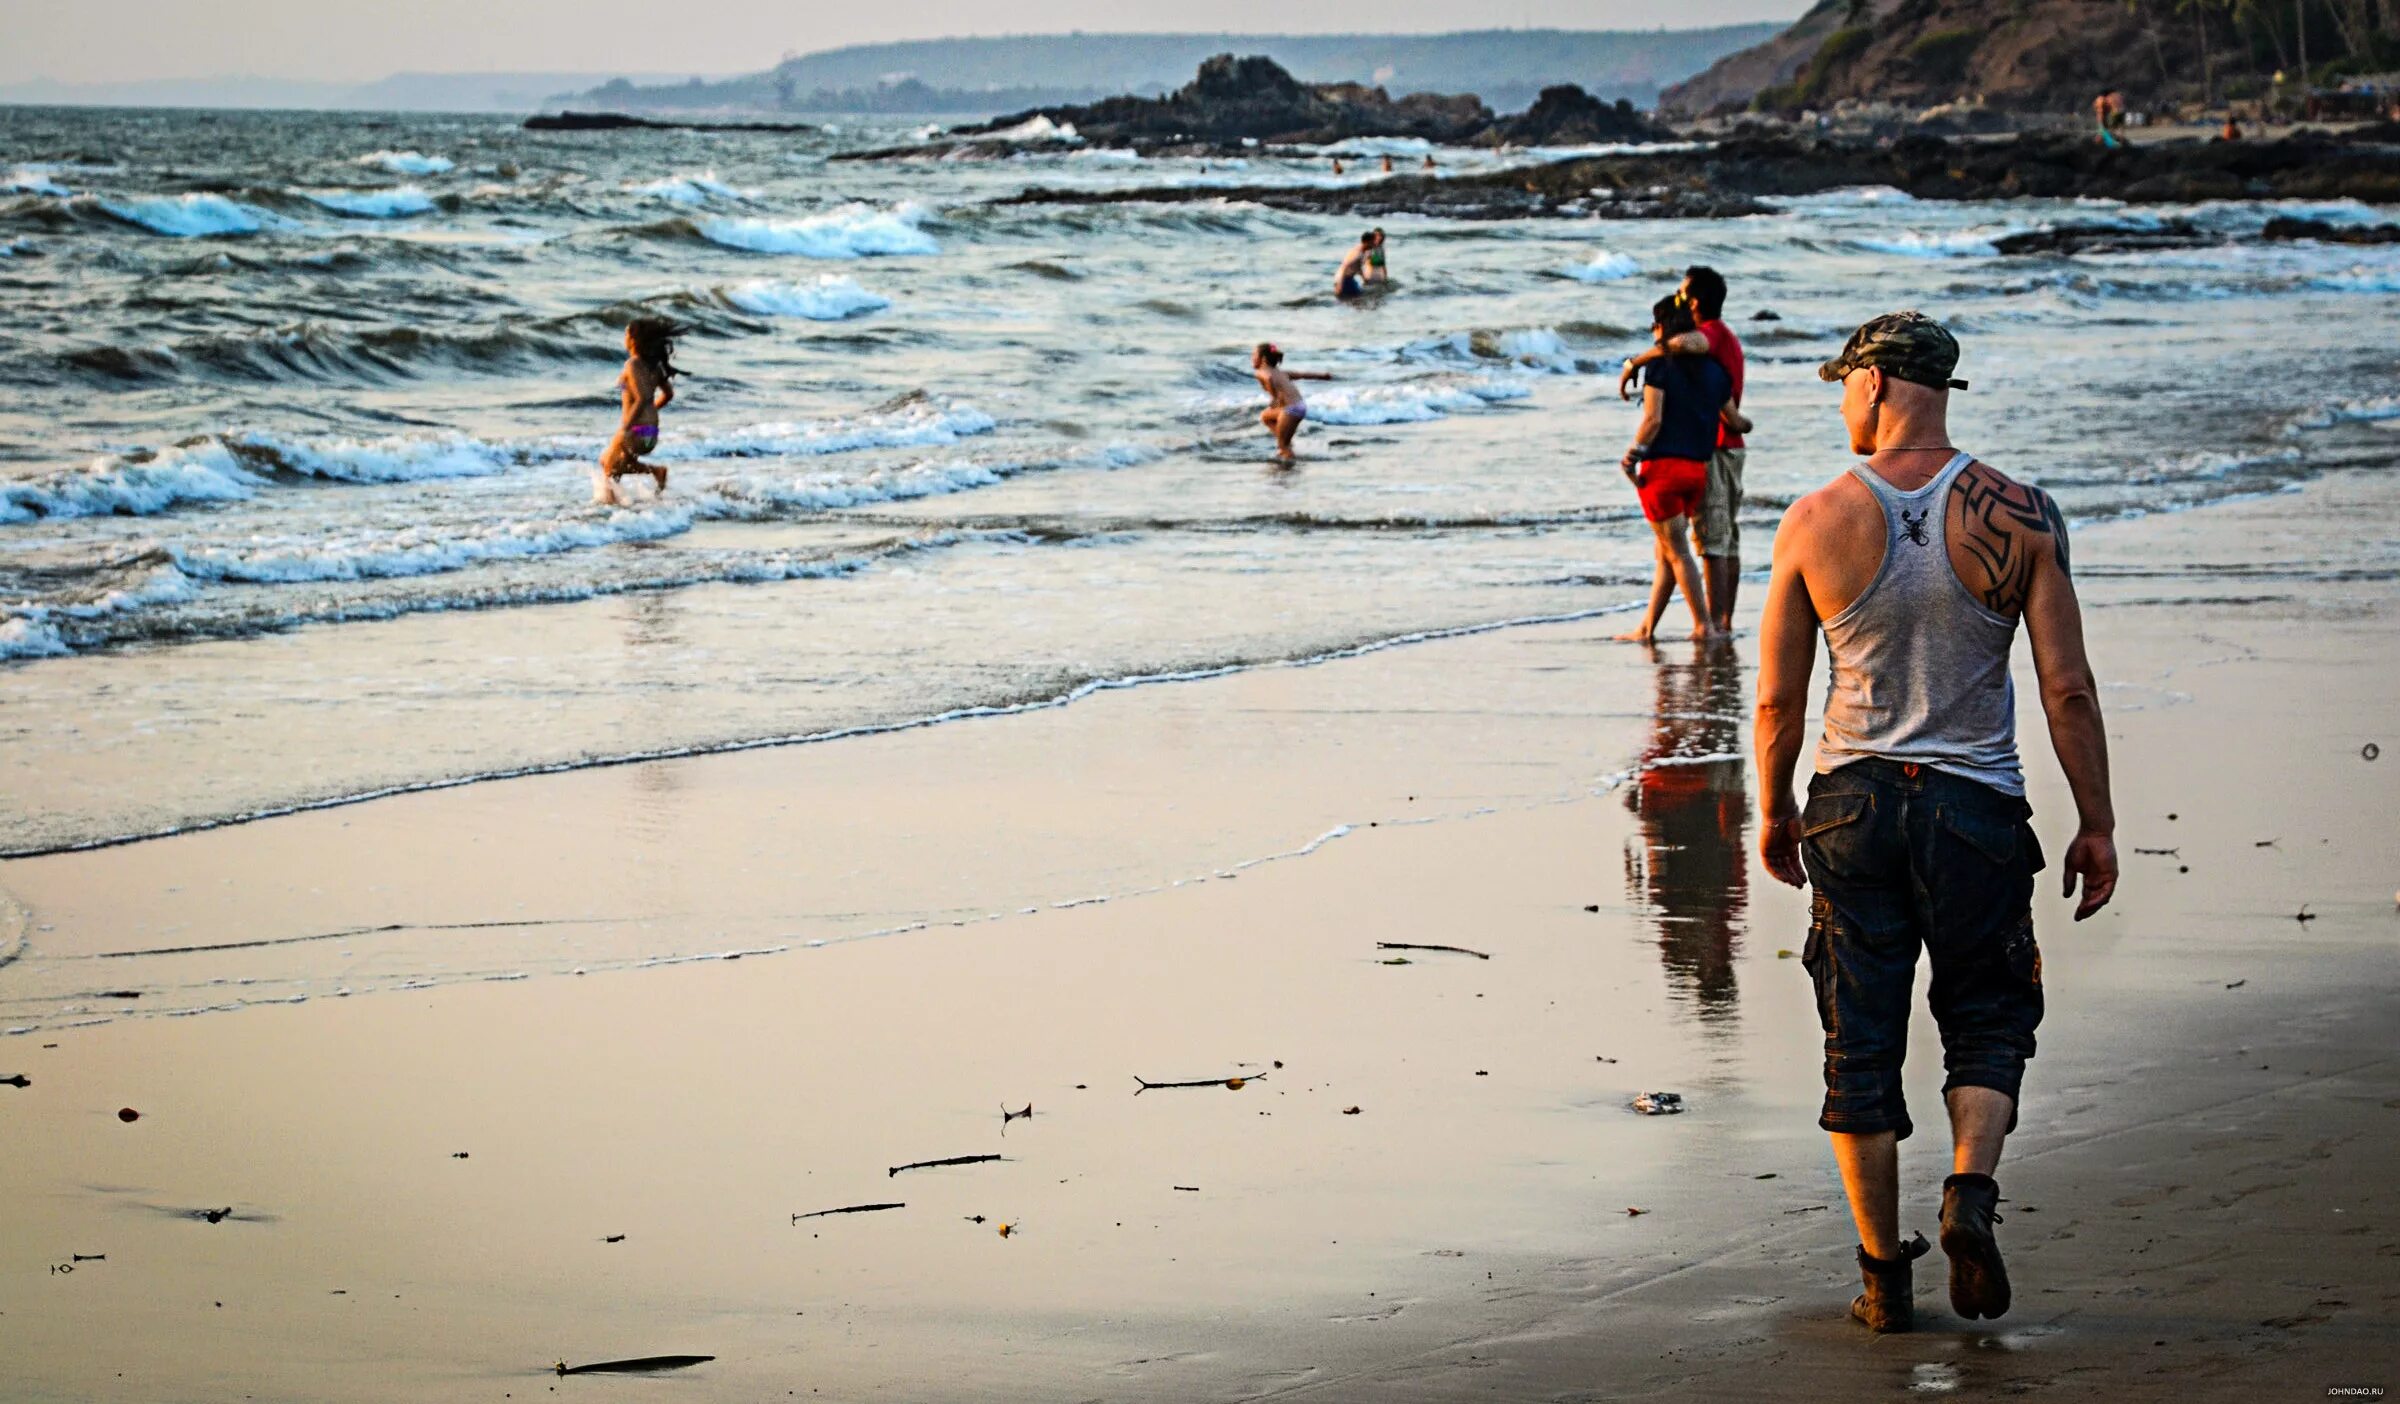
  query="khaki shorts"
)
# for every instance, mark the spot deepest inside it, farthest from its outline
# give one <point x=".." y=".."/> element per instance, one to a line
<point x="1718" y="529"/>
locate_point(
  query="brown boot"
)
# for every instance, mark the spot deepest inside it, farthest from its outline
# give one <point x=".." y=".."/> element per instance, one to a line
<point x="1889" y="1304"/>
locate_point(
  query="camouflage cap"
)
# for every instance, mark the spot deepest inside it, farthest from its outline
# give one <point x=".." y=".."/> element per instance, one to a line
<point x="1909" y="345"/>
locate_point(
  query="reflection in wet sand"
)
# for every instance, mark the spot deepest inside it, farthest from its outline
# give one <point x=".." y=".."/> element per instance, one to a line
<point x="1689" y="868"/>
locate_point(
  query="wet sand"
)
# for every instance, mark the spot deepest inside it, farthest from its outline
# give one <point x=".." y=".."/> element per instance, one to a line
<point x="2195" y="1198"/>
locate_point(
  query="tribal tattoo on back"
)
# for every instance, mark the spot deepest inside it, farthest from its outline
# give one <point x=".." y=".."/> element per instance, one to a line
<point x="2006" y="526"/>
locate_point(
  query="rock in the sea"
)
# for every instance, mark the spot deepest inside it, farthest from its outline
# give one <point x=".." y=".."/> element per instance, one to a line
<point x="2282" y="227"/>
<point x="1566" y="115"/>
<point x="1254" y="98"/>
<point x="2106" y="238"/>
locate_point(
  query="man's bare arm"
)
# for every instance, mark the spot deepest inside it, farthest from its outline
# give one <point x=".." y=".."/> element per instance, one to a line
<point x="1787" y="651"/>
<point x="1689" y="343"/>
<point x="2071" y="699"/>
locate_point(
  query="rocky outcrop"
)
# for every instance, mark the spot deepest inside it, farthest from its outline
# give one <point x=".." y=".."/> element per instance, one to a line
<point x="1731" y="83"/>
<point x="1236" y="99"/>
<point x="1568" y="116"/>
<point x="1731" y="178"/>
<point x="2323" y="233"/>
<point x="618" y="121"/>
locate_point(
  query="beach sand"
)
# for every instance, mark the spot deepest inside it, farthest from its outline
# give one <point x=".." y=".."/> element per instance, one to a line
<point x="1187" y="882"/>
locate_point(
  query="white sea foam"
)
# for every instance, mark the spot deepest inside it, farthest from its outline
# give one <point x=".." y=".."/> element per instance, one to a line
<point x="1036" y="128"/>
<point x="29" y="638"/>
<point x="1107" y="156"/>
<point x="696" y="189"/>
<point x="397" y="459"/>
<point x="853" y="231"/>
<point x="407" y="162"/>
<point x="827" y="491"/>
<point x="1409" y="402"/>
<point x="205" y="472"/>
<point x="31" y="180"/>
<point x="191" y="216"/>
<point x="2360" y="280"/>
<point x="1848" y="197"/>
<point x="1536" y="346"/>
<point x="426" y="549"/>
<point x="1966" y="244"/>
<point x="921" y="424"/>
<point x="1606" y="266"/>
<point x="374" y="204"/>
<point x="831" y="298"/>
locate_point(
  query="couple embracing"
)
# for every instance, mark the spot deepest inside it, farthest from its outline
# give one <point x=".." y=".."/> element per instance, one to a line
<point x="1687" y="454"/>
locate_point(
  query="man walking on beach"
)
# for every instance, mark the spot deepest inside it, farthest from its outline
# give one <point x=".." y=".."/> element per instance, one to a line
<point x="1716" y="527"/>
<point x="1917" y="566"/>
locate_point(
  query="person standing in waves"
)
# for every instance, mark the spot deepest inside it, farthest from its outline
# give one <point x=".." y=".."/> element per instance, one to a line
<point x="1917" y="566"/>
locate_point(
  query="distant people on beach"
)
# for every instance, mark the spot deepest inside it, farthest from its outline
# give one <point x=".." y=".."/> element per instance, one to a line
<point x="1717" y="529"/>
<point x="1350" y="279"/>
<point x="2232" y="130"/>
<point x="1917" y="566"/>
<point x="2108" y="109"/>
<point x="645" y="386"/>
<point x="1683" y="394"/>
<point x="1286" y="410"/>
<point x="1428" y="161"/>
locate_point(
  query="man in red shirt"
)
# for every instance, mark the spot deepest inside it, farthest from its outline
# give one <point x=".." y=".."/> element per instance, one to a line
<point x="1716" y="527"/>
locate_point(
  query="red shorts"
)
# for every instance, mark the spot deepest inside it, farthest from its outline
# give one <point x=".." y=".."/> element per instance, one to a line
<point x="1672" y="487"/>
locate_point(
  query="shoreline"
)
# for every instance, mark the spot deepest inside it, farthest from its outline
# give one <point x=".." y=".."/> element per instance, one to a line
<point x="1479" y="1198"/>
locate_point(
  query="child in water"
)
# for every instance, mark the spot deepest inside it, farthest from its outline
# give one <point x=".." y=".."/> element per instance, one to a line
<point x="647" y="384"/>
<point x="1285" y="410"/>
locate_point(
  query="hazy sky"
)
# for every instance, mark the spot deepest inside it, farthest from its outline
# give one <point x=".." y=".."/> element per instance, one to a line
<point x="87" y="40"/>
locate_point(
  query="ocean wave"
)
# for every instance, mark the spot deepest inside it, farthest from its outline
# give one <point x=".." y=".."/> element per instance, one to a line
<point x="693" y="190"/>
<point x="853" y="231"/>
<point x="1845" y="197"/>
<point x="905" y="482"/>
<point x="427" y="549"/>
<point x="1965" y="244"/>
<point x="911" y="423"/>
<point x="2359" y="280"/>
<point x="1604" y="267"/>
<point x="373" y="204"/>
<point x="1036" y="128"/>
<point x="407" y="162"/>
<point x="31" y="180"/>
<point x="194" y="216"/>
<point x="831" y="298"/>
<point x="1409" y="402"/>
<point x="313" y="351"/>
<point x="199" y="473"/>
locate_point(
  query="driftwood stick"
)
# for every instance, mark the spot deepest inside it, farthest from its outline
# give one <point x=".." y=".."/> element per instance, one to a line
<point x="848" y="1209"/>
<point x="935" y="1164"/>
<point x="635" y="1367"/>
<point x="1412" y="946"/>
<point x="1235" y="1082"/>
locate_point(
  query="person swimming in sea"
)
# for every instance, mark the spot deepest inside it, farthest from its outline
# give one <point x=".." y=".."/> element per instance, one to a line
<point x="1378" y="273"/>
<point x="1285" y="410"/>
<point x="646" y="385"/>
<point x="1351" y="278"/>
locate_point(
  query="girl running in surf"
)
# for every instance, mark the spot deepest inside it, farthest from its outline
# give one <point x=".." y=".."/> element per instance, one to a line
<point x="1285" y="409"/>
<point x="647" y="384"/>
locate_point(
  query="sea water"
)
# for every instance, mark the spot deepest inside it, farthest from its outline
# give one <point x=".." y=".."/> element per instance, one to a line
<point x="302" y="412"/>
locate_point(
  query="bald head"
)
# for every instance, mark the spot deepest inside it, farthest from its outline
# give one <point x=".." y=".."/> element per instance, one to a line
<point x="1883" y="411"/>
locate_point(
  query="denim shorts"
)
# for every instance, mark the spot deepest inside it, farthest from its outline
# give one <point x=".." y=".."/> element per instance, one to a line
<point x="1902" y="857"/>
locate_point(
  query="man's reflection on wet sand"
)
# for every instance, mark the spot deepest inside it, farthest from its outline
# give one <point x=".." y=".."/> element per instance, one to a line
<point x="1689" y="867"/>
